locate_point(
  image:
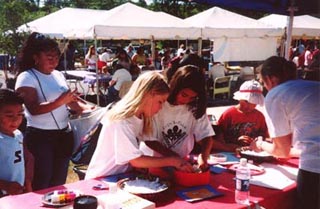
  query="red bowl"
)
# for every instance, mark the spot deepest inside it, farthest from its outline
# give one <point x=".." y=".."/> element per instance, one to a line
<point x="191" y="179"/>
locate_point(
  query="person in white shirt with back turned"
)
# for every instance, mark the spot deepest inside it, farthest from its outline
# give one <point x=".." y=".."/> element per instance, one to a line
<point x="121" y="75"/>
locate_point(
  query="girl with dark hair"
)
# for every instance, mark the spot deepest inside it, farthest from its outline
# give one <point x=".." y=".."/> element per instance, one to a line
<point x="125" y="123"/>
<point x="292" y="116"/>
<point x="47" y="97"/>
<point x="123" y="59"/>
<point x="183" y="119"/>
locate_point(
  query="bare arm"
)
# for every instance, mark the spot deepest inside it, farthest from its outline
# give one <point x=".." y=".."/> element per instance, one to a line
<point x="10" y="187"/>
<point x="294" y="152"/>
<point x="29" y="166"/>
<point x="206" y="146"/>
<point x="156" y="162"/>
<point x="218" y="144"/>
<point x="280" y="146"/>
<point x="30" y="98"/>
<point x="112" y="82"/>
<point x="158" y="147"/>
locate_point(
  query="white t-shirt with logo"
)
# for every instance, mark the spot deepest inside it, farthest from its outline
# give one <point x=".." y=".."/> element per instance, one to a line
<point x="176" y="128"/>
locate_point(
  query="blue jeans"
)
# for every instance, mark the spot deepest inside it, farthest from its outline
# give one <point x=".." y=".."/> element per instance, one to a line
<point x="51" y="150"/>
<point x="308" y="190"/>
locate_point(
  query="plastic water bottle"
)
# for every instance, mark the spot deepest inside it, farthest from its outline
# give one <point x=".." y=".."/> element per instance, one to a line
<point x="242" y="183"/>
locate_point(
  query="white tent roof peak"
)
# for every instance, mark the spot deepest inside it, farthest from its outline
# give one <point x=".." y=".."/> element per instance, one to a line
<point x="63" y="20"/>
<point x="303" y="25"/>
<point x="216" y="22"/>
<point x="216" y="17"/>
<point x="129" y="21"/>
<point x="130" y="15"/>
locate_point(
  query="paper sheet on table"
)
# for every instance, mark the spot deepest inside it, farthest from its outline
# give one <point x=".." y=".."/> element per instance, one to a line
<point x="125" y="201"/>
<point x="276" y="176"/>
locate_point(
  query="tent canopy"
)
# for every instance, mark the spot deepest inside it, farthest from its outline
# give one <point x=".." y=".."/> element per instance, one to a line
<point x="129" y="21"/>
<point x="285" y="7"/>
<point x="269" y="6"/>
<point x="126" y="21"/>
<point x="236" y="37"/>
<point x="63" y="21"/>
<point x="217" y="22"/>
<point x="303" y="25"/>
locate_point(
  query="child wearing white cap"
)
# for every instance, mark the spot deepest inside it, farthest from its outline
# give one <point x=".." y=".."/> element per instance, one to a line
<point x="241" y="124"/>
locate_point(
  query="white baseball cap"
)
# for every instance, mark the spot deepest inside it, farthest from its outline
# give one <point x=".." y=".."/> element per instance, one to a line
<point x="250" y="91"/>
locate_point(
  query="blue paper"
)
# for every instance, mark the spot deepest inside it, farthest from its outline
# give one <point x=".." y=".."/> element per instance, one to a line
<point x="217" y="169"/>
<point x="230" y="156"/>
<point x="198" y="193"/>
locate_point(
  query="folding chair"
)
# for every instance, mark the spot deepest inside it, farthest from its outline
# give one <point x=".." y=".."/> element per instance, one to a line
<point x="222" y="85"/>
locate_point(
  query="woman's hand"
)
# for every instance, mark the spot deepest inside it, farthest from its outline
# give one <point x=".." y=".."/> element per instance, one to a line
<point x="245" y="140"/>
<point x="182" y="164"/>
<point x="203" y="164"/>
<point x="256" y="144"/>
<point x="13" y="188"/>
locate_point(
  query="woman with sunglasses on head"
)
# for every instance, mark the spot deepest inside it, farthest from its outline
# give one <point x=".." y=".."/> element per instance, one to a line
<point x="183" y="119"/>
<point x="292" y="116"/>
<point x="47" y="98"/>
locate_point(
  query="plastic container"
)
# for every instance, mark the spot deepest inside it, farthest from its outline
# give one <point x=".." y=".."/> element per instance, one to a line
<point x="85" y="202"/>
<point x="242" y="183"/>
<point x="191" y="179"/>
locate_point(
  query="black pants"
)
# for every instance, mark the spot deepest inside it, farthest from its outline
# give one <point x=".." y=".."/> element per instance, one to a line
<point x="51" y="150"/>
<point x="308" y="190"/>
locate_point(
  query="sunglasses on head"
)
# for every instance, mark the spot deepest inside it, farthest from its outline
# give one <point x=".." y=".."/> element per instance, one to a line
<point x="39" y="36"/>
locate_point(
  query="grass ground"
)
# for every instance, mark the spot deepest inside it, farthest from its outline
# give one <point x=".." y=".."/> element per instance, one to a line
<point x="72" y="176"/>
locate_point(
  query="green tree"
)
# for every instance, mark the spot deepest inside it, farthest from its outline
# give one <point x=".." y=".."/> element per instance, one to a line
<point x="14" y="13"/>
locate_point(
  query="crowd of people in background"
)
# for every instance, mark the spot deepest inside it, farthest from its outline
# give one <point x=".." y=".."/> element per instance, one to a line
<point x="306" y="56"/>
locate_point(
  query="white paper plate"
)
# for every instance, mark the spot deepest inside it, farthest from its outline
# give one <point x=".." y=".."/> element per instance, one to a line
<point x="47" y="198"/>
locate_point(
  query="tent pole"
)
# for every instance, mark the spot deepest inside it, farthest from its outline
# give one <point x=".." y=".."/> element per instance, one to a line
<point x="289" y="32"/>
<point x="97" y="73"/>
<point x="199" y="47"/>
<point x="153" y="52"/>
<point x="64" y="55"/>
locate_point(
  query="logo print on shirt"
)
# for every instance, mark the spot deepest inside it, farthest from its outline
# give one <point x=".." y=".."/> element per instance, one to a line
<point x="173" y="136"/>
<point x="17" y="154"/>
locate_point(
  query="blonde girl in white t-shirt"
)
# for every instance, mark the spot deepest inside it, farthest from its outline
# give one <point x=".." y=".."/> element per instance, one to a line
<point x="118" y="144"/>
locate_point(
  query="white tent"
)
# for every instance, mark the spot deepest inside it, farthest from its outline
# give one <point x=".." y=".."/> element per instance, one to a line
<point x="129" y="21"/>
<point x="236" y="37"/>
<point x="303" y="25"/>
<point x="61" y="23"/>
<point x="126" y="21"/>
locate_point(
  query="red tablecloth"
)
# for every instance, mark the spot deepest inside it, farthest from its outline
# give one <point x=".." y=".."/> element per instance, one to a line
<point x="224" y="183"/>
